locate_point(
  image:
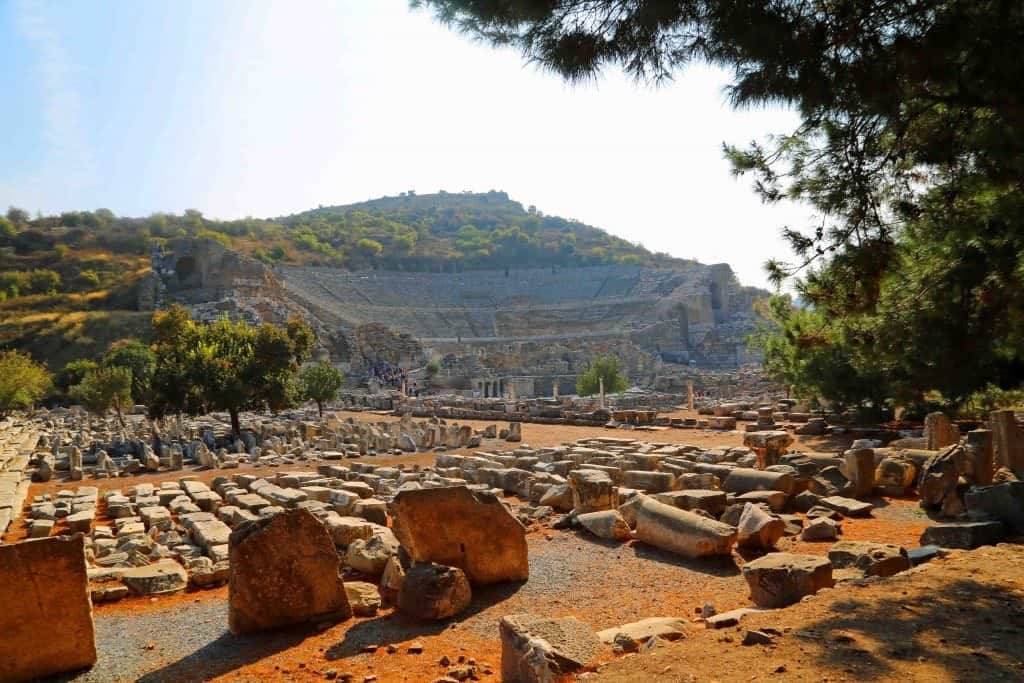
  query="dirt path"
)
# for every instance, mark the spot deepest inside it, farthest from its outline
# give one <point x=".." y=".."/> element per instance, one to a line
<point x="957" y="619"/>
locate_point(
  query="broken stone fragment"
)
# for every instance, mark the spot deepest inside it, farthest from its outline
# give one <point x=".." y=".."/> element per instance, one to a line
<point x="874" y="559"/>
<point x="759" y="528"/>
<point x="629" y="637"/>
<point x="52" y="632"/>
<point x="166" y="576"/>
<point x="781" y="579"/>
<point x="964" y="535"/>
<point x="433" y="591"/>
<point x="471" y="530"/>
<point x="536" y="649"/>
<point x="284" y="571"/>
<point x="606" y="524"/>
<point x="821" y="529"/>
<point x="363" y="597"/>
<point x="591" y="490"/>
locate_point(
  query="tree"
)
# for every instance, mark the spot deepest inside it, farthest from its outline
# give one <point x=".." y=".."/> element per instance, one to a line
<point x="910" y="150"/>
<point x="137" y="357"/>
<point x="105" y="389"/>
<point x="227" y="365"/>
<point x="174" y="387"/>
<point x="17" y="216"/>
<point x="321" y="382"/>
<point x="73" y="373"/>
<point x="23" y="381"/>
<point x="606" y="368"/>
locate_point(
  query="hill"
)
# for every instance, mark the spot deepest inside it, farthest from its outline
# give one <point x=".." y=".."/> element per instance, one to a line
<point x="447" y="231"/>
<point x="70" y="283"/>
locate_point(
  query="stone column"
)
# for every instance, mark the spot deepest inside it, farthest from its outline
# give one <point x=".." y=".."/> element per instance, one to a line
<point x="689" y="395"/>
<point x="860" y="468"/>
<point x="600" y="381"/>
<point x="1009" y="446"/>
<point x="980" y="456"/>
<point x="939" y="432"/>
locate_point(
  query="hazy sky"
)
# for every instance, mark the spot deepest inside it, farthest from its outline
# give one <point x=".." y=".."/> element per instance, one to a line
<point x="259" y="108"/>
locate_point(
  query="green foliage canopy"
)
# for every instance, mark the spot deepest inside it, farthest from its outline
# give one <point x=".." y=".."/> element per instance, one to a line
<point x="23" y="381"/>
<point x="139" y="359"/>
<point x="606" y="368"/>
<point x="228" y="365"/>
<point x="105" y="389"/>
<point x="321" y="382"/>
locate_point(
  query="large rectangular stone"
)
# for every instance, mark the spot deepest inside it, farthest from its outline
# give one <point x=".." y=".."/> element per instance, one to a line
<point x="45" y="611"/>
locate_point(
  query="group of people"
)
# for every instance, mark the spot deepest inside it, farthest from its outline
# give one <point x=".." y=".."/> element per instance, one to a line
<point x="389" y="375"/>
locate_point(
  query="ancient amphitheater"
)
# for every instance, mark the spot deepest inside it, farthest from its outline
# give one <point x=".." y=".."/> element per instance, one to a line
<point x="555" y="319"/>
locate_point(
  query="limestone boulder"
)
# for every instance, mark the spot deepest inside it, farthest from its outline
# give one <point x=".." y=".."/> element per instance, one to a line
<point x="165" y="576"/>
<point x="471" y="530"/>
<point x="781" y="579"/>
<point x="370" y="556"/>
<point x="937" y="483"/>
<point x="759" y="528"/>
<point x="559" y="497"/>
<point x="433" y="591"/>
<point x="821" y="529"/>
<point x="591" y="491"/>
<point x="895" y="474"/>
<point x="536" y="649"/>
<point x="284" y="571"/>
<point x="363" y="597"/>
<point x="52" y="632"/>
<point x="681" y="531"/>
<point x="874" y="559"/>
<point x="630" y="636"/>
<point x="606" y="524"/>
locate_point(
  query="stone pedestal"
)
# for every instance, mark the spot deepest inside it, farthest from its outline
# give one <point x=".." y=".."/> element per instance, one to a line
<point x="1007" y="440"/>
<point x="980" y="456"/>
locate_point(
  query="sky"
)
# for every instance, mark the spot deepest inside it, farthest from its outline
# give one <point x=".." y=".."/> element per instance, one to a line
<point x="264" y="108"/>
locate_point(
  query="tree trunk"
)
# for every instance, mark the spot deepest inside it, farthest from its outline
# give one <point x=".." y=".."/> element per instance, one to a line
<point x="320" y="407"/>
<point x="120" y="417"/>
<point x="236" y="427"/>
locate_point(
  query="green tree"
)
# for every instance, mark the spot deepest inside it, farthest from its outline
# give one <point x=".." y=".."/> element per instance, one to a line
<point x="909" y="149"/>
<point x="73" y="373"/>
<point x="229" y="365"/>
<point x="137" y="357"/>
<point x="23" y="381"/>
<point x="803" y="352"/>
<point x="606" y="368"/>
<point x="105" y="389"/>
<point x="320" y="383"/>
<point x="17" y="216"/>
<point x="42" y="281"/>
<point x="174" y="388"/>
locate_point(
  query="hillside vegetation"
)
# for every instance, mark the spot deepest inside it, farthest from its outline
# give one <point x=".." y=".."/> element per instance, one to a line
<point x="69" y="282"/>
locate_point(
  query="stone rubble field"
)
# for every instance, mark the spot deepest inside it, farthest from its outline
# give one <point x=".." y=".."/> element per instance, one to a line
<point x="302" y="524"/>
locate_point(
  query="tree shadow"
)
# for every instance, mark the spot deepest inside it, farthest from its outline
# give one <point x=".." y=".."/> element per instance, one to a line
<point x="397" y="627"/>
<point x="971" y="629"/>
<point x="719" y="565"/>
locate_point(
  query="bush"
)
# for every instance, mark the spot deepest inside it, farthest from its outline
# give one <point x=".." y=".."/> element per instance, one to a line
<point x="606" y="368"/>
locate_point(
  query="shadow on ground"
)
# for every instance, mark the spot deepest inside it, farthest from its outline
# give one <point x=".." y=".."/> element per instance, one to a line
<point x="397" y="628"/>
<point x="971" y="629"/>
<point x="227" y="653"/>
